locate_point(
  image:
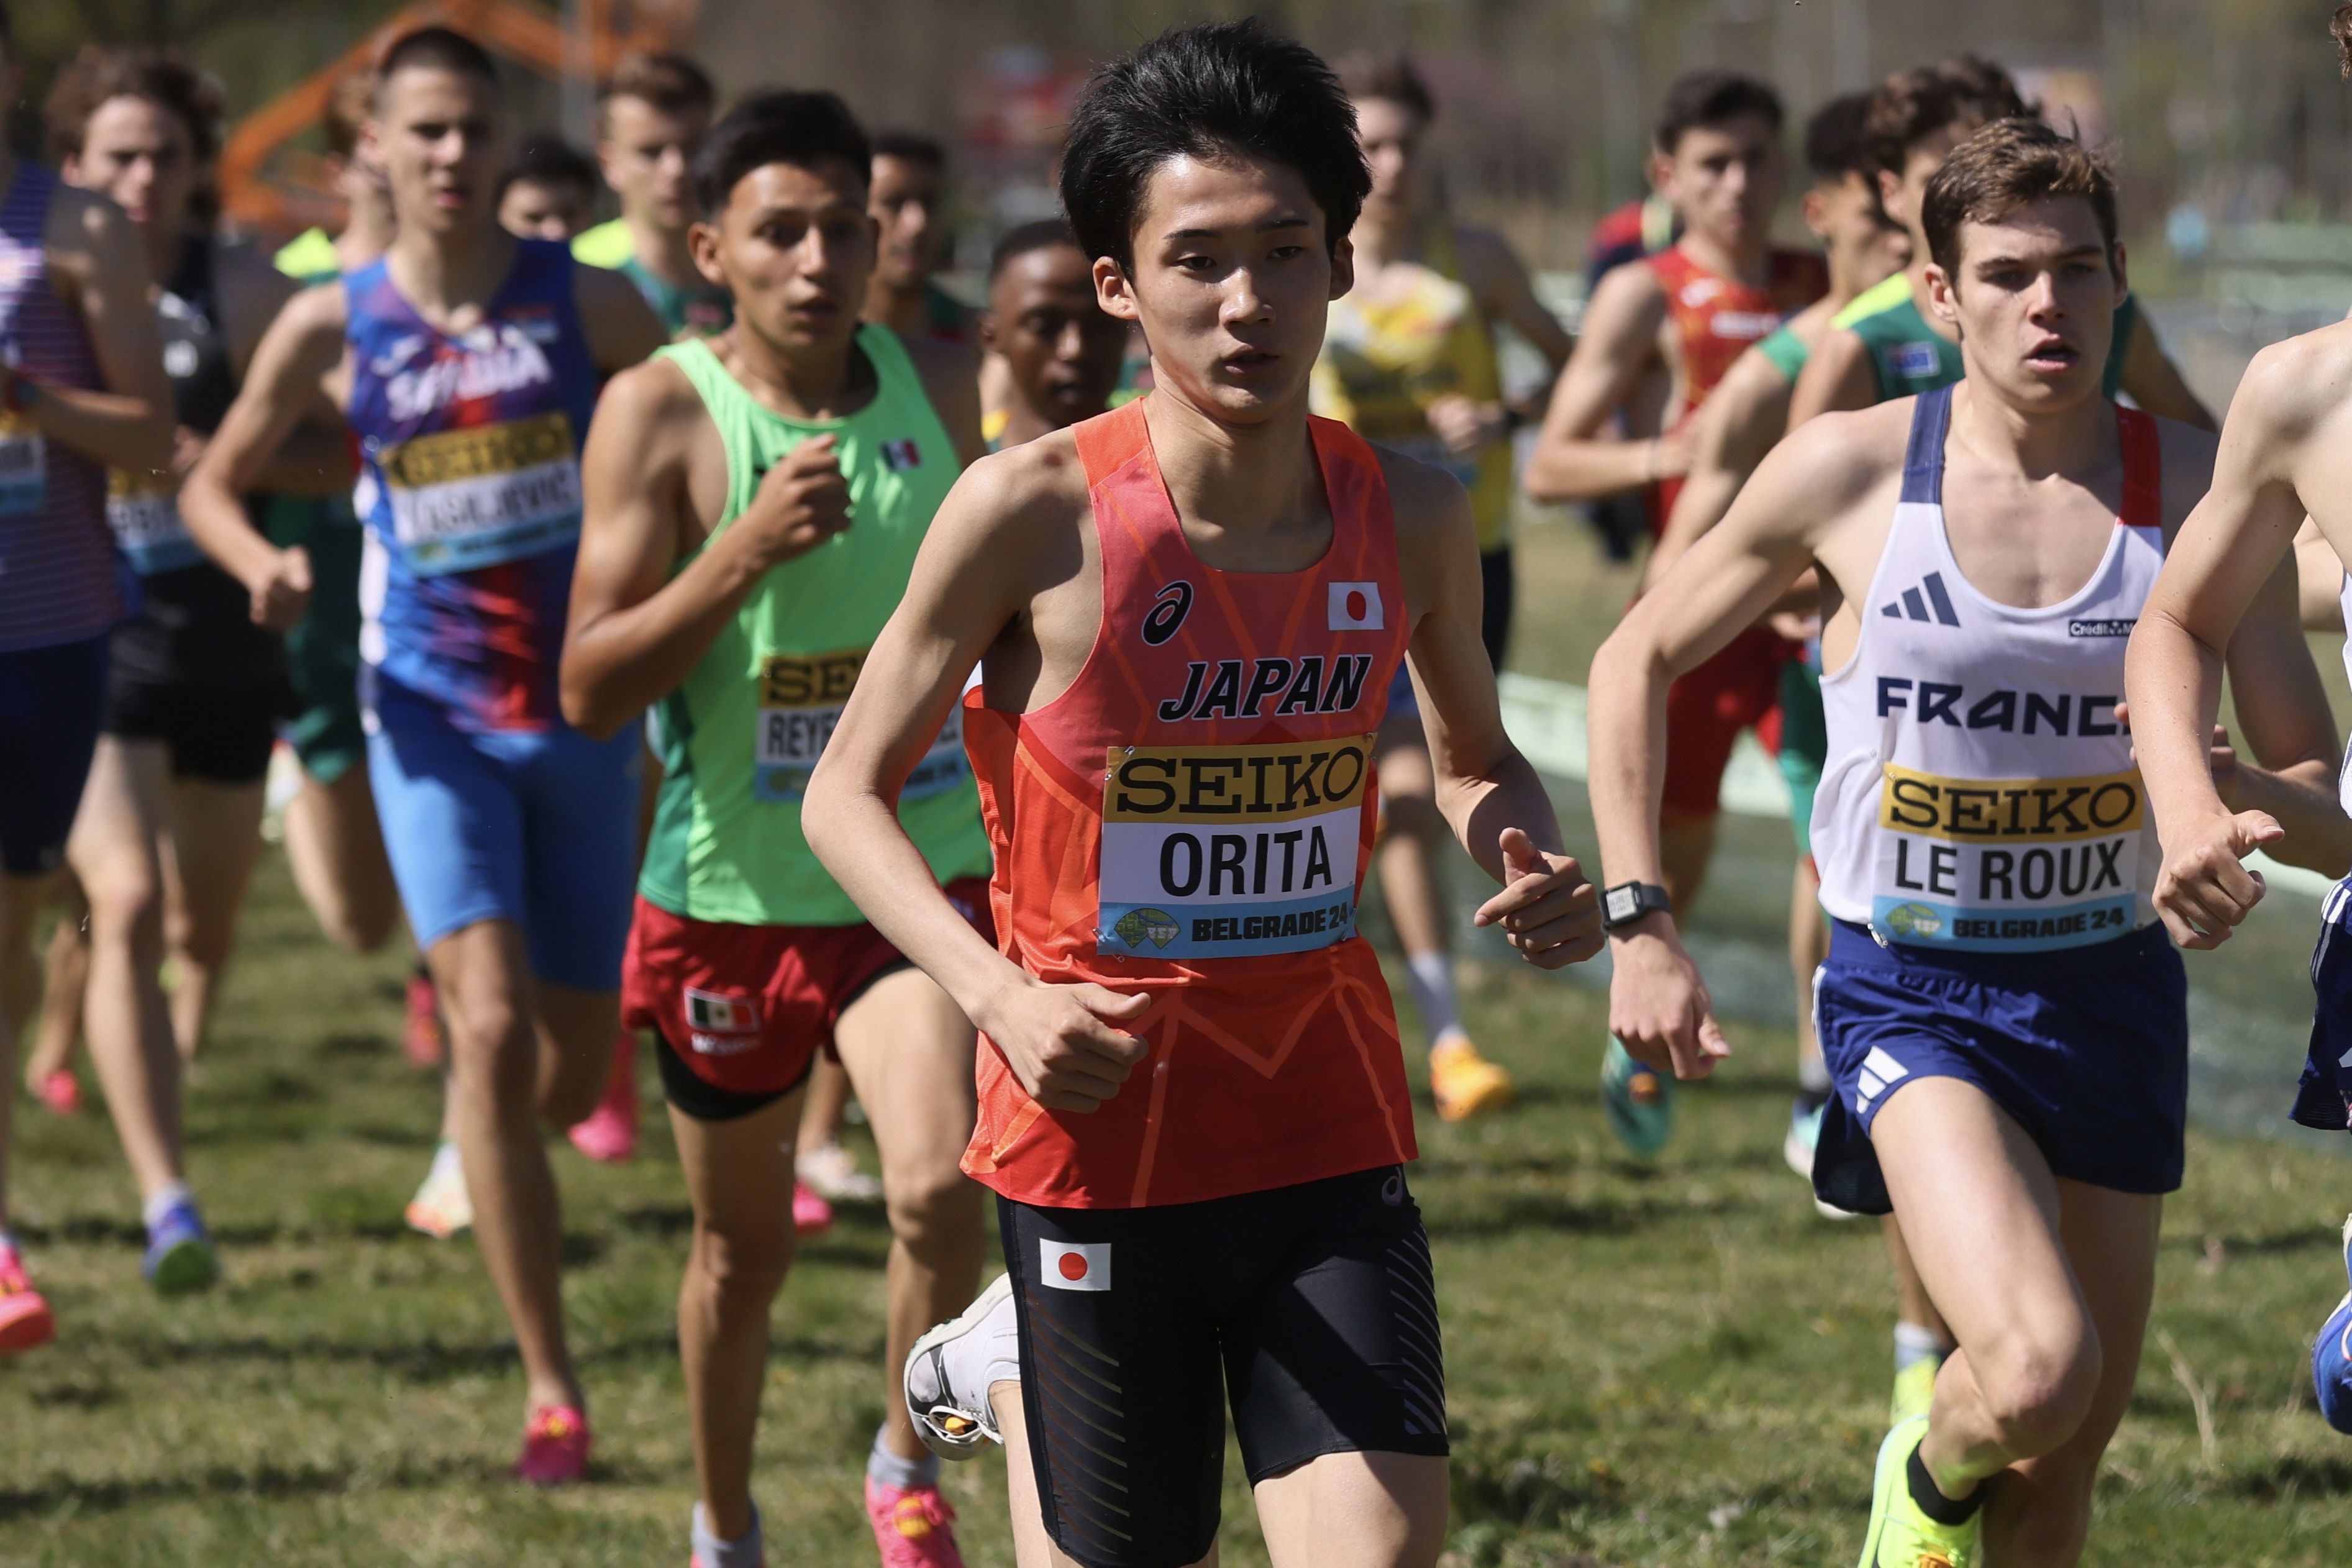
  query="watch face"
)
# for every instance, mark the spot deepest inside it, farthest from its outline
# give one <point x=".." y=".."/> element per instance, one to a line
<point x="1623" y="902"/>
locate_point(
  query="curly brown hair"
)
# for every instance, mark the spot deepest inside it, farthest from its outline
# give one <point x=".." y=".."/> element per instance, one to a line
<point x="2011" y="163"/>
<point x="2340" y="29"/>
<point x="163" y="77"/>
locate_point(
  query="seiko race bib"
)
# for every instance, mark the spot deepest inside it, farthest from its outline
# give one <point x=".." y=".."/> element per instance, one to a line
<point x="144" y="512"/>
<point x="800" y="701"/>
<point x="468" y="499"/>
<point x="2007" y="866"/>
<point x="1229" y="851"/>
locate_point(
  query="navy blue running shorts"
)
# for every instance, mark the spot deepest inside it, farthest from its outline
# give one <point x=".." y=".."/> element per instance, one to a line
<point x="2324" y="1098"/>
<point x="1311" y="1308"/>
<point x="2087" y="1048"/>
<point x="52" y="701"/>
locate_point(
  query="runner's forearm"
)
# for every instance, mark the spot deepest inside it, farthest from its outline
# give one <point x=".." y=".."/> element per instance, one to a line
<point x="855" y="834"/>
<point x="2174" y="681"/>
<point x="1508" y="794"/>
<point x="621" y="662"/>
<point x="314" y="461"/>
<point x="217" y="521"/>
<point x="1626" y="726"/>
<point x="2302" y="798"/>
<point x="1563" y="470"/>
<point x="113" y="428"/>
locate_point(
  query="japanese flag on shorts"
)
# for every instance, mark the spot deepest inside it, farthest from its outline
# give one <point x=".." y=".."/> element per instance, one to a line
<point x="1073" y="1265"/>
<point x="1356" y="607"/>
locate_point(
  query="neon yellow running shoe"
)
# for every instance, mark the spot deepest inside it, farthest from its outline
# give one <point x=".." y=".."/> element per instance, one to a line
<point x="1901" y="1534"/>
<point x="1915" y="1389"/>
<point x="1465" y="1083"/>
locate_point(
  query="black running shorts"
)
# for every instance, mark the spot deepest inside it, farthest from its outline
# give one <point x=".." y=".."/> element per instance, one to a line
<point x="1311" y="1307"/>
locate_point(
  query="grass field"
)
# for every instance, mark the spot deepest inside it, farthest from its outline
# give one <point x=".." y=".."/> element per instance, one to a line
<point x="1670" y="1367"/>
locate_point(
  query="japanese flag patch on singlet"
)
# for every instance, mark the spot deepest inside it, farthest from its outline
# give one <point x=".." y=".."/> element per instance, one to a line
<point x="1231" y="851"/>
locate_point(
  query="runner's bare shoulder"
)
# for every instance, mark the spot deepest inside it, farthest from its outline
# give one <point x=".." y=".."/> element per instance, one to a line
<point x="1826" y="468"/>
<point x="1429" y="503"/>
<point x="2297" y="389"/>
<point x="1024" y="511"/>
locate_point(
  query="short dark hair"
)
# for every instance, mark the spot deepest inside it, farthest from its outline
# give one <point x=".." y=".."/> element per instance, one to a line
<point x="348" y="105"/>
<point x="549" y="159"/>
<point x="779" y="127"/>
<point x="911" y="147"/>
<point x="1984" y="90"/>
<point x="1836" y="140"/>
<point x="436" y="48"/>
<point x="1041" y="234"/>
<point x="1217" y="88"/>
<point x="1714" y="98"/>
<point x="670" y="83"/>
<point x="1389" y="75"/>
<point x="163" y="77"/>
<point x="2008" y="164"/>
<point x="1964" y="92"/>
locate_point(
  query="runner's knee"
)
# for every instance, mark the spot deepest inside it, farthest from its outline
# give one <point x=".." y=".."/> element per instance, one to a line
<point x="744" y="1265"/>
<point x="492" y="1043"/>
<point x="126" y="902"/>
<point x="2038" y="1389"/>
<point x="932" y="1205"/>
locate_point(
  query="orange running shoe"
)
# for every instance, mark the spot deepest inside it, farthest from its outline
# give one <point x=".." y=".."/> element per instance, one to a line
<point x="914" y="1526"/>
<point x="25" y="1322"/>
<point x="554" y="1447"/>
<point x="610" y="1134"/>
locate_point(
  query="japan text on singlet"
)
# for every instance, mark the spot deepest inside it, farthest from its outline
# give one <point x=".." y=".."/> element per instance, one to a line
<point x="1979" y="795"/>
<point x="471" y="481"/>
<point x="59" y="580"/>
<point x="1192" y="818"/>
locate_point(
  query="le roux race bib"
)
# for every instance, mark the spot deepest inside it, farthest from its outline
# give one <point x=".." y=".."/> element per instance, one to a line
<point x="468" y="499"/>
<point x="801" y="700"/>
<point x="1231" y="851"/>
<point x="2007" y="865"/>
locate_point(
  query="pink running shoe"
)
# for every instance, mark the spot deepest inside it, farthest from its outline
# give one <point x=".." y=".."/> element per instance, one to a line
<point x="914" y="1526"/>
<point x="24" y="1320"/>
<point x="61" y="1091"/>
<point x="811" y="1214"/>
<point x="610" y="1133"/>
<point x="554" y="1447"/>
<point x="421" y="1040"/>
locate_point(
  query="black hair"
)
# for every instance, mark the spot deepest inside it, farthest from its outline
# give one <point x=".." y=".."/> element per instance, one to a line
<point x="436" y="49"/>
<point x="1714" y="98"/>
<point x="777" y="127"/>
<point x="1215" y="90"/>
<point x="1042" y="234"/>
<point x="549" y="161"/>
<point x="910" y="146"/>
<point x="1837" y="140"/>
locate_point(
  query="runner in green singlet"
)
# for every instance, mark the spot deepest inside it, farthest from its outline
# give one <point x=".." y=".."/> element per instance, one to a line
<point x="754" y="504"/>
<point x="652" y="118"/>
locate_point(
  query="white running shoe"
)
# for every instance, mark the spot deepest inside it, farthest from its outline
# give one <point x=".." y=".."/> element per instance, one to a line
<point x="833" y="1170"/>
<point x="442" y="1207"/>
<point x="946" y="1379"/>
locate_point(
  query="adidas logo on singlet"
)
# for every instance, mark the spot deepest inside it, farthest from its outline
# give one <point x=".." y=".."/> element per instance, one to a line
<point x="1927" y="603"/>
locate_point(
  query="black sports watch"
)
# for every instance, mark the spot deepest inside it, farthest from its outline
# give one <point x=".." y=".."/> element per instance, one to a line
<point x="1629" y="901"/>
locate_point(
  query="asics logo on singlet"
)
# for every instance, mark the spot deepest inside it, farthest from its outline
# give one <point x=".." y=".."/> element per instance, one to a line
<point x="1168" y="608"/>
<point x="2006" y="710"/>
<point x="1294" y="686"/>
<point x="509" y="362"/>
<point x="1930" y="602"/>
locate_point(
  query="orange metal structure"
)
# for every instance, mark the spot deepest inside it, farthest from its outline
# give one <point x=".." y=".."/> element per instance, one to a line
<point x="269" y="185"/>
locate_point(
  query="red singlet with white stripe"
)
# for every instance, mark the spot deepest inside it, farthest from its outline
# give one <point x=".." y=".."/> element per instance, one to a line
<point x="1192" y="818"/>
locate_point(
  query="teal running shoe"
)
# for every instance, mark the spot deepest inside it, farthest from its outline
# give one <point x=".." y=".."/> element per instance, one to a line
<point x="1638" y="1101"/>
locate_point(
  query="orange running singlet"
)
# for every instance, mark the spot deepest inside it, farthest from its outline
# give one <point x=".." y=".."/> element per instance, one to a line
<point x="1192" y="818"/>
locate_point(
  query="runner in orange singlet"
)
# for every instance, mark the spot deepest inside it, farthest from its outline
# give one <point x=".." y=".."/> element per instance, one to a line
<point x="1192" y="1104"/>
<point x="1681" y="319"/>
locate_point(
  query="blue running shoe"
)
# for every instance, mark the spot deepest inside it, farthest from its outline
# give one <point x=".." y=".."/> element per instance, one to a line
<point x="179" y="1256"/>
<point x="2331" y="1358"/>
<point x="1639" y="1101"/>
